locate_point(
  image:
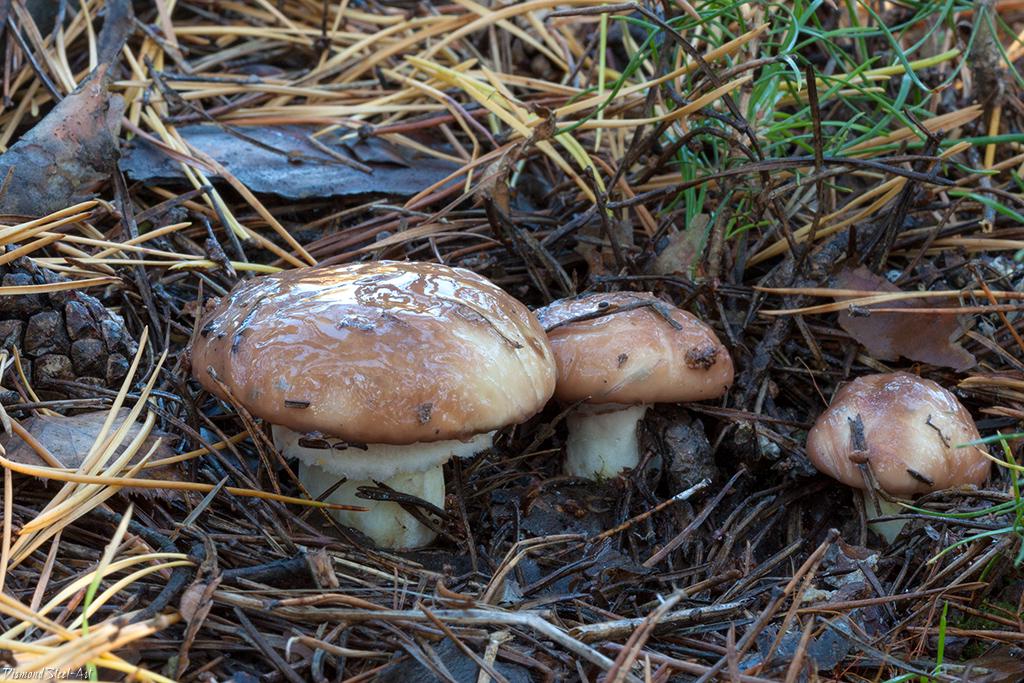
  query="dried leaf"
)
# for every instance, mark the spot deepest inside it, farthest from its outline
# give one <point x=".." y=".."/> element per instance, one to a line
<point x="682" y="248"/>
<point x="65" y="155"/>
<point x="285" y="163"/>
<point x="1003" y="663"/>
<point x="494" y="178"/>
<point x="70" y="438"/>
<point x="594" y="257"/>
<point x="826" y="650"/>
<point x="197" y="600"/>
<point x="321" y="566"/>
<point x="986" y="55"/>
<point x="74" y="147"/>
<point x="916" y="336"/>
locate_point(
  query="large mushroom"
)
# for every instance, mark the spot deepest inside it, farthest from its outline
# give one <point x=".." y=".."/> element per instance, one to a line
<point x="618" y="353"/>
<point x="377" y="372"/>
<point x="904" y="432"/>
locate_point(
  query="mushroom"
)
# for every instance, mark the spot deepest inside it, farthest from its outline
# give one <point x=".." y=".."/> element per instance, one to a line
<point x="377" y="372"/>
<point x="617" y="354"/>
<point x="905" y="433"/>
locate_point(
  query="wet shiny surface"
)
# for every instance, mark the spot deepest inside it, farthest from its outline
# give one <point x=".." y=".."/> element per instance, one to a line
<point x="627" y="347"/>
<point x="911" y="429"/>
<point x="382" y="352"/>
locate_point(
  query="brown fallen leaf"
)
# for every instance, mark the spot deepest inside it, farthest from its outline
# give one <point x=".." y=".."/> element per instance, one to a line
<point x="194" y="606"/>
<point x="321" y="566"/>
<point x="1003" y="663"/>
<point x="887" y="336"/>
<point x="682" y="248"/>
<point x="74" y="147"/>
<point x="69" y="439"/>
<point x="197" y="599"/>
<point x="281" y="160"/>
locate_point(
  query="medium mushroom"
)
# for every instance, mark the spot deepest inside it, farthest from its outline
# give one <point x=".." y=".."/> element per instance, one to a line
<point x="377" y="372"/>
<point x="903" y="431"/>
<point x="618" y="353"/>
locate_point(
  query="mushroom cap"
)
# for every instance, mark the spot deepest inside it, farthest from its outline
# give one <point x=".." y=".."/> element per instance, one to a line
<point x="621" y="348"/>
<point x="387" y="352"/>
<point x="912" y="427"/>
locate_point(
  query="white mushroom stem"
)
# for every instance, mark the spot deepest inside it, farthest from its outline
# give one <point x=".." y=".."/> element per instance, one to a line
<point x="415" y="469"/>
<point x="602" y="440"/>
<point x="388" y="524"/>
<point x="890" y="529"/>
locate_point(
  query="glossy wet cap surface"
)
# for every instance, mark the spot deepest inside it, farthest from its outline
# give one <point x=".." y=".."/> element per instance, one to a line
<point x="383" y="352"/>
<point x="626" y="347"/>
<point x="911" y="430"/>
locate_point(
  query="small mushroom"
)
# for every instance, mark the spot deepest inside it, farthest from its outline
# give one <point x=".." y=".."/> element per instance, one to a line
<point x="905" y="433"/>
<point x="618" y="353"/>
<point x="377" y="372"/>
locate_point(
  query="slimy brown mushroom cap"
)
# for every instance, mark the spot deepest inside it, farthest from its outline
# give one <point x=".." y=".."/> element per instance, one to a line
<point x="632" y="348"/>
<point x="911" y="430"/>
<point x="384" y="352"/>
